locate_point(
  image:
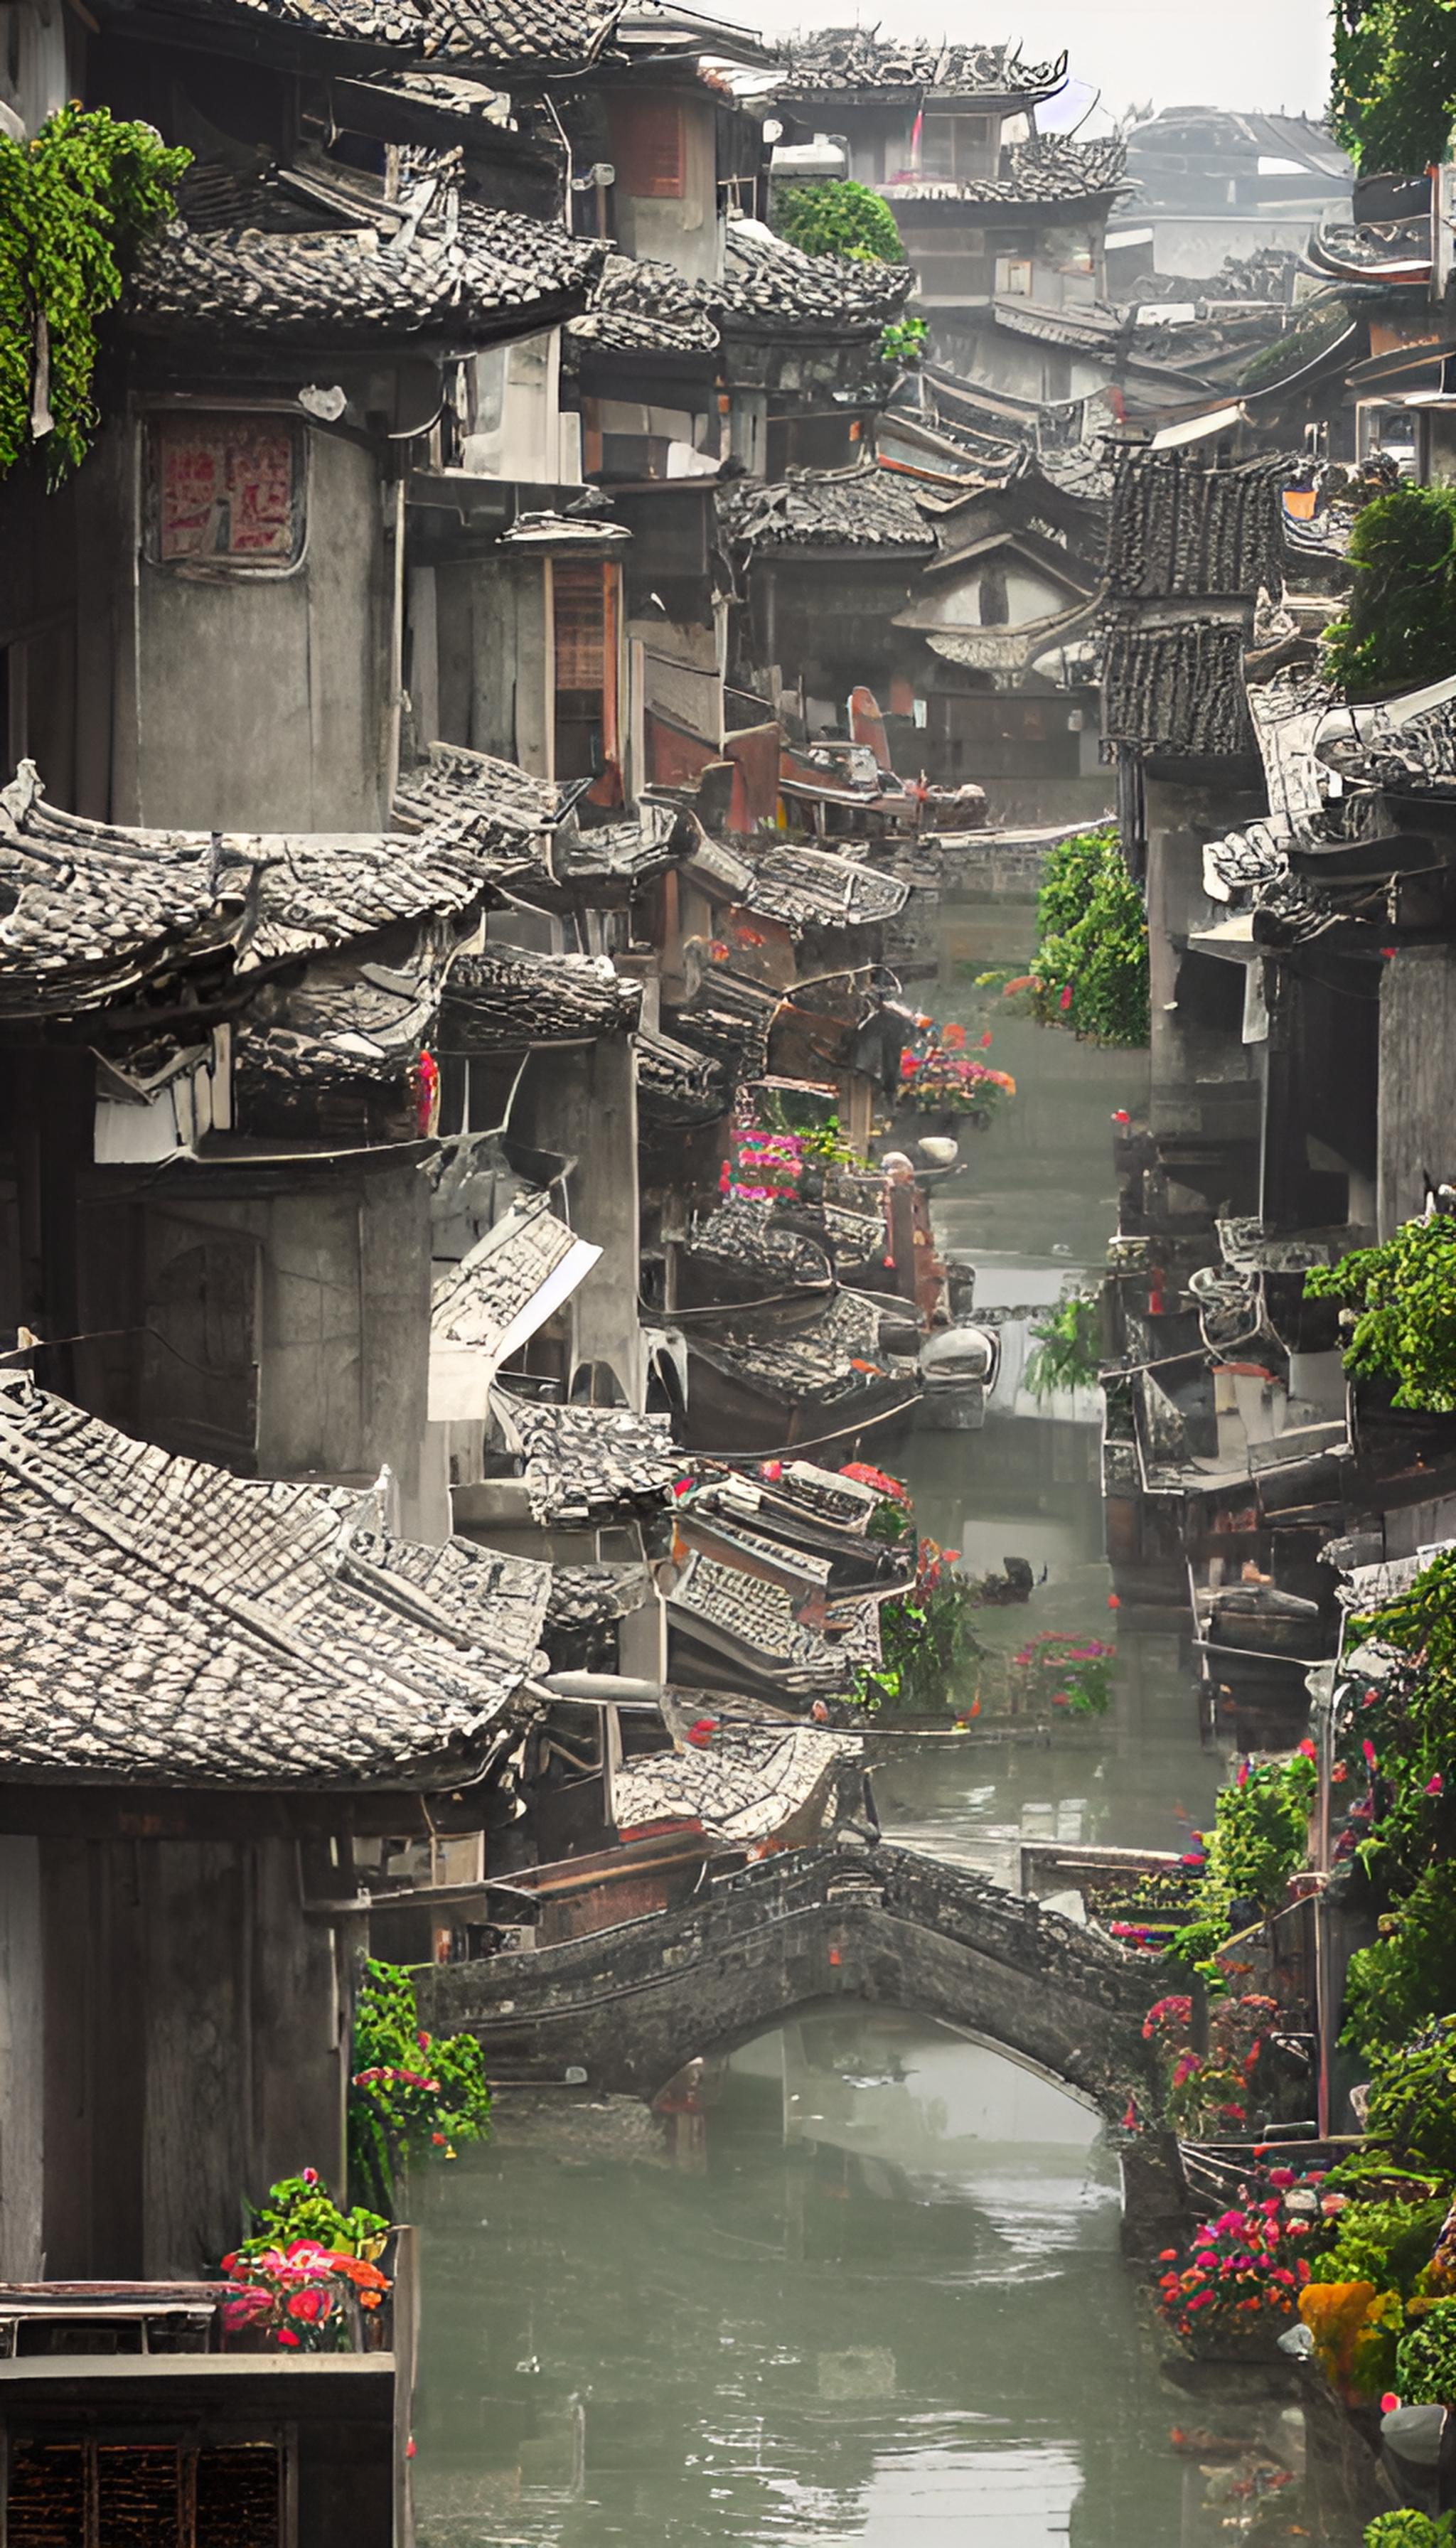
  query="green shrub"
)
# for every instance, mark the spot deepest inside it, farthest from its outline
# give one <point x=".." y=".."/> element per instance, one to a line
<point x="1408" y="2529"/>
<point x="411" y="2096"/>
<point x="1404" y="1296"/>
<point x="302" y="2207"/>
<point x="1091" y="961"/>
<point x="1396" y="1987"/>
<point x="838" y="216"/>
<point x="1384" y="2243"/>
<point x="1400" y="629"/>
<point x="1412" y="2099"/>
<point x="1425" y="2365"/>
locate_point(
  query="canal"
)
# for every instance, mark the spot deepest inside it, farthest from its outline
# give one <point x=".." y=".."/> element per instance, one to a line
<point x="876" y="2296"/>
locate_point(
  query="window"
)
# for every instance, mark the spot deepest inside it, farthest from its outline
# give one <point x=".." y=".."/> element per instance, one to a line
<point x="960" y="145"/>
<point x="153" y="2494"/>
<point x="647" y="146"/>
<point x="584" y="688"/>
<point x="225" y="491"/>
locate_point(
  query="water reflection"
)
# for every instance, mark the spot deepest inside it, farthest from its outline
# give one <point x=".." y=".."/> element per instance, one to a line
<point x="885" y="2307"/>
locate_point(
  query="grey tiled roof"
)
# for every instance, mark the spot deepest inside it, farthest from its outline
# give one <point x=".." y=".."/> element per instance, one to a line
<point x="584" y="1598"/>
<point x="815" y="889"/>
<point x="676" y="1083"/>
<point x="1045" y="170"/>
<point x="728" y="1019"/>
<point x="1179" y="527"/>
<point x="743" y="1785"/>
<point x="504" y="1000"/>
<point x="838" y="58"/>
<point x="479" y="1300"/>
<point x="435" y="263"/>
<point x="336" y="1054"/>
<point x="742" y="1237"/>
<point x="854" y="508"/>
<point x="827" y="1361"/>
<point x="585" y="1463"/>
<point x="97" y="908"/>
<point x="768" y="284"/>
<point x="754" y="1622"/>
<point x="1179" y="687"/>
<point x="502" y="33"/>
<point x="165" y="1623"/>
<point x="490" y="806"/>
<point x="646" y="307"/>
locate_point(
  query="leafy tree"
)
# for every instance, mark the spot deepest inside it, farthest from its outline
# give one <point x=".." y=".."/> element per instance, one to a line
<point x="1400" y="627"/>
<point x="1404" y="1295"/>
<point x="1395" y="82"/>
<point x="75" y="203"/>
<point x="838" y="216"/>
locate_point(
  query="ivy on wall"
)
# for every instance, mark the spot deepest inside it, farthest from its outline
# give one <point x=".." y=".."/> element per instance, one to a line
<point x="76" y="202"/>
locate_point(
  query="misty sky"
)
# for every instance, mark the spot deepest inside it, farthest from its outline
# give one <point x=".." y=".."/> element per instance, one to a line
<point x="1266" y="53"/>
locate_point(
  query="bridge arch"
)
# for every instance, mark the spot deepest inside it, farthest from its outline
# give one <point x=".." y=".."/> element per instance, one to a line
<point x="631" y="2005"/>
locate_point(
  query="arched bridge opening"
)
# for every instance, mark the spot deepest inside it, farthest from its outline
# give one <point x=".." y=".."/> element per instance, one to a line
<point x="631" y="2005"/>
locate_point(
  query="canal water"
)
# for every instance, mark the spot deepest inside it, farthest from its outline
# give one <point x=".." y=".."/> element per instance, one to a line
<point x="876" y="2297"/>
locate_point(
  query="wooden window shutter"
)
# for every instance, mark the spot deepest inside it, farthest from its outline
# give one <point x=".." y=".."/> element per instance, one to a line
<point x="581" y="624"/>
<point x="647" y="140"/>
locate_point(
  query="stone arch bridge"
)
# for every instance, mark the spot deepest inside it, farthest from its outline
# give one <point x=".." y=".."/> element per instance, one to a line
<point x="630" y="2005"/>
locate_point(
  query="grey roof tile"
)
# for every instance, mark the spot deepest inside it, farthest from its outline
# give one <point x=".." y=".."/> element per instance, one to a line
<point x="843" y="509"/>
<point x="584" y="1464"/>
<point x="1045" y="170"/>
<point x="840" y="58"/>
<point x="96" y="908"/>
<point x="435" y="263"/>
<point x="200" y="1629"/>
<point x="505" y="1000"/>
<point x="1178" y="527"/>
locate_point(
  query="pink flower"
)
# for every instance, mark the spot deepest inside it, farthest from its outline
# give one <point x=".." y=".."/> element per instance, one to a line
<point x="1243" y="1778"/>
<point x="1066" y="998"/>
<point x="1371" y="1755"/>
<point x="310" y="2176"/>
<point x="1390" y="2402"/>
<point x="247" y="2305"/>
<point x="1307" y="1749"/>
<point x="1435" y="1786"/>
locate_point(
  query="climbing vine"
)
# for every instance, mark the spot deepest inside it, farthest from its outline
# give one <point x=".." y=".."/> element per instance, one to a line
<point x="75" y="203"/>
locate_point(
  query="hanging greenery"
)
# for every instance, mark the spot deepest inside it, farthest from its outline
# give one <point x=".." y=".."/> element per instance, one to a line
<point x="838" y="216"/>
<point x="1400" y="630"/>
<point x="1403" y="1295"/>
<point x="411" y="2097"/>
<point x="1395" y="82"/>
<point x="75" y="203"/>
<point x="1090" y="972"/>
<point x="1068" y="1346"/>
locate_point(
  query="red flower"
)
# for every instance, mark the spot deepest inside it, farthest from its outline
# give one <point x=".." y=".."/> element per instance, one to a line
<point x="309" y="2305"/>
<point x="986" y="1041"/>
<point x="1066" y="998"/>
<point x="285" y="2335"/>
<point x="1114" y="1601"/>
